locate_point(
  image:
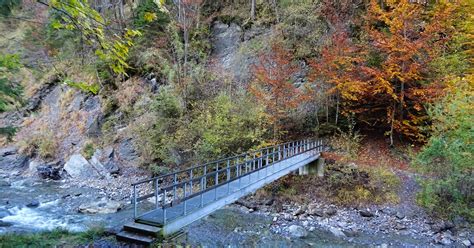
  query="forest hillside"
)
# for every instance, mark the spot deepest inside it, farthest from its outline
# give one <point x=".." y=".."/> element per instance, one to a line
<point x="102" y="93"/>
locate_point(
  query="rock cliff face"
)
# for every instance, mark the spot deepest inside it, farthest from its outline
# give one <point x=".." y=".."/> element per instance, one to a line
<point x="233" y="49"/>
<point x="54" y="127"/>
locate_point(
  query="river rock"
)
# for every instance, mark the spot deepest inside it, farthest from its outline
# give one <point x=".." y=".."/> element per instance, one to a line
<point x="337" y="232"/>
<point x="78" y="167"/>
<point x="442" y="226"/>
<point x="297" y="231"/>
<point x="399" y="215"/>
<point x="400" y="226"/>
<point x="4" y="183"/>
<point x="51" y="170"/>
<point x="466" y="243"/>
<point x="331" y="212"/>
<point x="103" y="206"/>
<point x="269" y="202"/>
<point x="299" y="211"/>
<point x="33" y="204"/>
<point x="366" y="213"/>
<point x="5" y="224"/>
<point x="4" y="213"/>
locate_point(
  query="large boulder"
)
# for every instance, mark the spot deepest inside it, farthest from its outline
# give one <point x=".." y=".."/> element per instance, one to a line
<point x="103" y="206"/>
<point x="51" y="170"/>
<point x="78" y="167"/>
<point x="11" y="159"/>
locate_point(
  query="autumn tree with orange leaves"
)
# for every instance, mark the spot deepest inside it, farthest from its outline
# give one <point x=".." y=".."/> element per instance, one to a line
<point x="273" y="86"/>
<point x="338" y="66"/>
<point x="405" y="37"/>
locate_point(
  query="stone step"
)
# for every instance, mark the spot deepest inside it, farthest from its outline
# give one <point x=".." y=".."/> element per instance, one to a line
<point x="135" y="238"/>
<point x="142" y="229"/>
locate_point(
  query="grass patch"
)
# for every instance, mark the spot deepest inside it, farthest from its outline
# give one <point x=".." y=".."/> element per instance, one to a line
<point x="55" y="238"/>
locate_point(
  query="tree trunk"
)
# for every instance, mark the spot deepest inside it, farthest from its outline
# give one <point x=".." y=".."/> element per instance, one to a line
<point x="252" y="9"/>
<point x="391" y="124"/>
<point x="337" y="108"/>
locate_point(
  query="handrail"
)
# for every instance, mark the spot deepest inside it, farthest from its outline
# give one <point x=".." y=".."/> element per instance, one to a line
<point x="207" y="163"/>
<point x="181" y="189"/>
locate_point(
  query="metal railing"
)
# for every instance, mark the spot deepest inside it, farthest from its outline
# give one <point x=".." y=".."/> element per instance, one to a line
<point x="180" y="186"/>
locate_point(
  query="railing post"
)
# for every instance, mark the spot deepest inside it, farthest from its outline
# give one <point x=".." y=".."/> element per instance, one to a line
<point x="205" y="176"/>
<point x="228" y="176"/>
<point x="279" y="152"/>
<point x="134" y="201"/>
<point x="164" y="208"/>
<point x="156" y="193"/>
<point x="184" y="208"/>
<point x="217" y="174"/>
<point x="217" y="181"/>
<point x="266" y="159"/>
<point x="202" y="189"/>
<point x="174" y="186"/>
<point x="273" y="155"/>
<point x="239" y="171"/>
<point x="191" y="181"/>
<point x="253" y="162"/>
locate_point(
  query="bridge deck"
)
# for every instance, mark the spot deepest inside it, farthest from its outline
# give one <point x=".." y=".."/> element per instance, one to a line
<point x="181" y="213"/>
<point x="156" y="216"/>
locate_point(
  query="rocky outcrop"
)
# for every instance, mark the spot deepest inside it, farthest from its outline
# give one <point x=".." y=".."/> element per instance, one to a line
<point x="126" y="151"/>
<point x="229" y="51"/>
<point x="11" y="159"/>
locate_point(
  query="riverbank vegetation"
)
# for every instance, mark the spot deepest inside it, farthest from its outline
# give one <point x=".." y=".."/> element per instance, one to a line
<point x="192" y="81"/>
<point x="54" y="238"/>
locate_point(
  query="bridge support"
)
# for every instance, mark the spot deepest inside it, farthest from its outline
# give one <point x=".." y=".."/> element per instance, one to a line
<point x="316" y="167"/>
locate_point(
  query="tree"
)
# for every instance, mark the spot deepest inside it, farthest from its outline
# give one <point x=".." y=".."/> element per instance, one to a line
<point x="273" y="85"/>
<point x="111" y="45"/>
<point x="188" y="14"/>
<point x="404" y="37"/>
<point x="252" y="9"/>
<point x="338" y="65"/>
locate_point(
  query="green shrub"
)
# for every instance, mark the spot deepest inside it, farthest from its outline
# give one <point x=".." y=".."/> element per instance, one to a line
<point x="347" y="142"/>
<point x="88" y="150"/>
<point x="172" y="135"/>
<point x="10" y="92"/>
<point x="447" y="158"/>
<point x="228" y="125"/>
<point x="149" y="14"/>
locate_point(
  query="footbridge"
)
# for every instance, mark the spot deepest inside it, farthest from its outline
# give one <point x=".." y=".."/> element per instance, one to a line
<point x="163" y="205"/>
